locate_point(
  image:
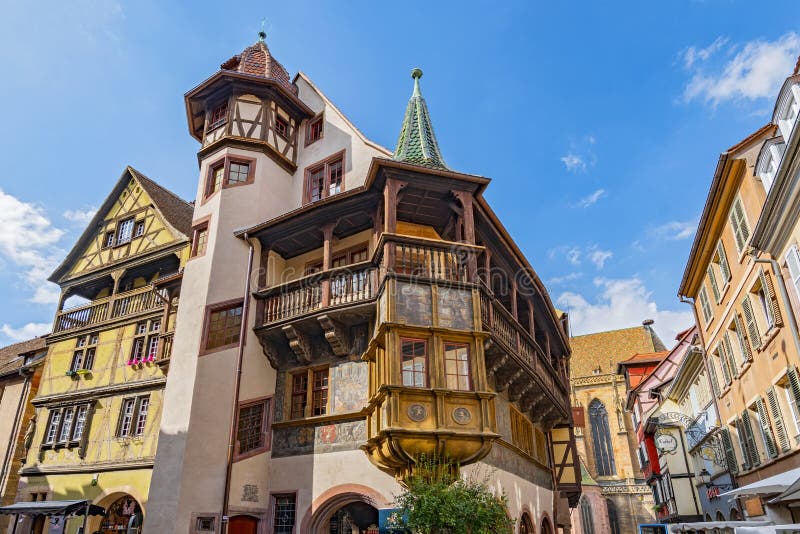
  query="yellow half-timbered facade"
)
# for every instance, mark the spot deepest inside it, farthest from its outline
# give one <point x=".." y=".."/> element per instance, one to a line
<point x="99" y="403"/>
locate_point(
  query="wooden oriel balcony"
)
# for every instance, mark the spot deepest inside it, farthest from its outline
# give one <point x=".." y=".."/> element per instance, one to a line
<point x="117" y="306"/>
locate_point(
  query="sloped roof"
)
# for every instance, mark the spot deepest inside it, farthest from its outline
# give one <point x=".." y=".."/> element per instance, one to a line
<point x="417" y="143"/>
<point x="175" y="211"/>
<point x="257" y="60"/>
<point x="12" y="356"/>
<point x="607" y="349"/>
<point x="648" y="357"/>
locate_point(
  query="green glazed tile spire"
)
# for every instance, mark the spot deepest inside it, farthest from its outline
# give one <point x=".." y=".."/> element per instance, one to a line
<point x="417" y="143"/>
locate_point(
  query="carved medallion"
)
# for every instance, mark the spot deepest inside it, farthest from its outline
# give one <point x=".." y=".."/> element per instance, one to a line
<point x="417" y="412"/>
<point x="462" y="416"/>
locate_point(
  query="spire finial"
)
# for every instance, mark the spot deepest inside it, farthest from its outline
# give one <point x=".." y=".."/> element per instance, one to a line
<point x="262" y="35"/>
<point x="416" y="74"/>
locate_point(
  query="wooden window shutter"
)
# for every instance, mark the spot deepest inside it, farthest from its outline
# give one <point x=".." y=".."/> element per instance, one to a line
<point x="793" y="262"/>
<point x="766" y="282"/>
<point x="705" y="304"/>
<point x="730" y="455"/>
<point x="753" y="457"/>
<point x="794" y="384"/>
<point x="739" y="224"/>
<point x="777" y="419"/>
<point x="723" y="364"/>
<point x="87" y="426"/>
<point x="729" y="354"/>
<point x="741" y="335"/>
<point x="723" y="262"/>
<point x="742" y="437"/>
<point x="766" y="428"/>
<point x="750" y="321"/>
<point x="713" y="281"/>
<point x="712" y="374"/>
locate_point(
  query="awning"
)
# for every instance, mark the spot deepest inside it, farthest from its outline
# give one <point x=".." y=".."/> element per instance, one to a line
<point x="52" y="508"/>
<point x="742" y="527"/>
<point x="769" y="486"/>
<point x="792" y="493"/>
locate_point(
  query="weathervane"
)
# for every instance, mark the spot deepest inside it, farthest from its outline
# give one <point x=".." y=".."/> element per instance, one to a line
<point x="262" y="35"/>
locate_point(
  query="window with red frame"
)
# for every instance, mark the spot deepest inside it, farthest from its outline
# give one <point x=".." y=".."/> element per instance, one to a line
<point x="223" y="325"/>
<point x="319" y="395"/>
<point x="219" y="116"/>
<point x="227" y="172"/>
<point x="251" y="426"/>
<point x="314" y="130"/>
<point x="325" y="179"/>
<point x="414" y="362"/>
<point x="456" y="362"/>
<point x="282" y="127"/>
<point x="299" y="395"/>
<point x="200" y="239"/>
<point x="215" y="177"/>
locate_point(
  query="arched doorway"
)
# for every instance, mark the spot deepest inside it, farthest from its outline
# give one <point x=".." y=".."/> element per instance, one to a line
<point x="355" y="518"/>
<point x="124" y="514"/>
<point x="525" y="524"/>
<point x="735" y="515"/>
<point x="243" y="524"/>
<point x="546" y="528"/>
<point x="720" y="516"/>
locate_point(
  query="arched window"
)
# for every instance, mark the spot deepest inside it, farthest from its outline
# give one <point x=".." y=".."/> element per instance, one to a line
<point x="601" y="439"/>
<point x="587" y="521"/>
<point x="525" y="525"/>
<point x="613" y="517"/>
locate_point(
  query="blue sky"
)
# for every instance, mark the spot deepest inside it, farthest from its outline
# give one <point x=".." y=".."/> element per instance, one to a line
<point x="600" y="125"/>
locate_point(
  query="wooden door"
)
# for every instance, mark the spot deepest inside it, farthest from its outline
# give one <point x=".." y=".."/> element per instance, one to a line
<point x="243" y="524"/>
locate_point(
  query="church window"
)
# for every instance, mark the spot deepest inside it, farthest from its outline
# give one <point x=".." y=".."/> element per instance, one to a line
<point x="601" y="439"/>
<point x="587" y="521"/>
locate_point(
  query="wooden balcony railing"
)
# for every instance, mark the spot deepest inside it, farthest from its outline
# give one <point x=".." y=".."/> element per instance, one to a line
<point x="121" y="305"/>
<point x="439" y="262"/>
<point x="347" y="285"/>
<point x="165" y="350"/>
<point x="516" y="340"/>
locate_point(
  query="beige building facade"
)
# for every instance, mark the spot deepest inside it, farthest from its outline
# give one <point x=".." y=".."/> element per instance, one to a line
<point x="746" y="324"/>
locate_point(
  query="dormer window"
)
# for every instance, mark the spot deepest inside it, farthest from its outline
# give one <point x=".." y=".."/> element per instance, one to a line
<point x="769" y="160"/>
<point x="787" y="109"/>
<point x="219" y="116"/>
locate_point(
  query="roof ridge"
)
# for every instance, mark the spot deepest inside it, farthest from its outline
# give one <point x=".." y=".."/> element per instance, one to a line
<point x="143" y="177"/>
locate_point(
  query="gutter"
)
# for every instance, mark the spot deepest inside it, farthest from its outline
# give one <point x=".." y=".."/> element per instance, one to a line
<point x="237" y="386"/>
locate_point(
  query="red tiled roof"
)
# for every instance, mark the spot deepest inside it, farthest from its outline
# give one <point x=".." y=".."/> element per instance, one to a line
<point x="646" y="357"/>
<point x="257" y="60"/>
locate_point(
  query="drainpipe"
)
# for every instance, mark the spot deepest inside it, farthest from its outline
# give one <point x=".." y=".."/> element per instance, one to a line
<point x="784" y="295"/>
<point x="237" y="386"/>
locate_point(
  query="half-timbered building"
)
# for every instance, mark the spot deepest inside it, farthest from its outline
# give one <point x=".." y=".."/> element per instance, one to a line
<point x="98" y="405"/>
<point x="352" y="309"/>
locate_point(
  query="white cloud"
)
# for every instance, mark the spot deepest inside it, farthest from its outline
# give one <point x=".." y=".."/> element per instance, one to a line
<point x="599" y="257"/>
<point x="573" y="163"/>
<point x="675" y="230"/>
<point x="622" y="303"/>
<point x="574" y="256"/>
<point x="23" y="333"/>
<point x="755" y="71"/>
<point x="566" y="278"/>
<point x="28" y="240"/>
<point x="80" y="216"/>
<point x="592" y="199"/>
<point x="694" y="54"/>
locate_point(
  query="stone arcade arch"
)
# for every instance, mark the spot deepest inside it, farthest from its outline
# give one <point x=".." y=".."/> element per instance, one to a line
<point x="361" y="500"/>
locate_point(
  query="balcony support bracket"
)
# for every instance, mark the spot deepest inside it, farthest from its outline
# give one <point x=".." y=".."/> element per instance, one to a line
<point x="336" y="335"/>
<point x="299" y="343"/>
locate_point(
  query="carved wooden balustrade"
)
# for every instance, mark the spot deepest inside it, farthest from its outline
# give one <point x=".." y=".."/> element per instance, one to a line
<point x="125" y="304"/>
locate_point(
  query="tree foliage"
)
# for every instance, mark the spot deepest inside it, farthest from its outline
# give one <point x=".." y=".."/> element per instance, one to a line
<point x="437" y="501"/>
